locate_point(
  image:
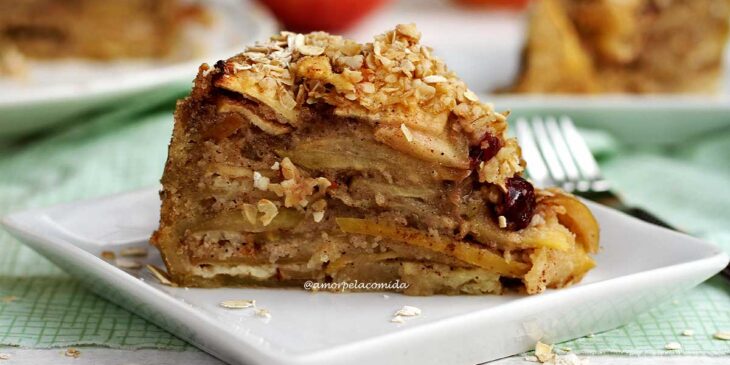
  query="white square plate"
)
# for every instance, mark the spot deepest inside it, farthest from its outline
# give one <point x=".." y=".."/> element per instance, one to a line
<point x="639" y="266"/>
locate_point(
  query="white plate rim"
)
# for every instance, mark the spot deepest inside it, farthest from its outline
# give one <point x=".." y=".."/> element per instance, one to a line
<point x="567" y="102"/>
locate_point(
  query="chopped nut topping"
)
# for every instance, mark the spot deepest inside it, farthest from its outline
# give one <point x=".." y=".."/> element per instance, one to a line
<point x="269" y="209"/>
<point x="238" y="303"/>
<point x="160" y="275"/>
<point x="502" y="221"/>
<point x="408" y="30"/>
<point x="318" y="208"/>
<point x="298" y="40"/>
<point x="310" y="50"/>
<point x="393" y="80"/>
<point x="406" y="132"/>
<point x="239" y="67"/>
<point x="688" y="333"/>
<point x="320" y="205"/>
<point x="250" y="212"/>
<point x="125" y="263"/>
<point x="367" y="87"/>
<point x="260" y="182"/>
<point x="353" y="62"/>
<point x="108" y="255"/>
<point x="297" y="187"/>
<point x="469" y="95"/>
<point x="380" y="199"/>
<point x="13" y="63"/>
<point x="275" y="166"/>
<point x="4" y="356"/>
<point x="434" y="79"/>
<point x="673" y="346"/>
<point x="72" y="352"/>
<point x="398" y="319"/>
<point x="408" y="311"/>
<point x="537" y="220"/>
<point x="134" y="252"/>
<point x="570" y="359"/>
<point x="544" y="352"/>
<point x="722" y="335"/>
<point x="405" y="311"/>
<point x="289" y="170"/>
<point x="261" y="312"/>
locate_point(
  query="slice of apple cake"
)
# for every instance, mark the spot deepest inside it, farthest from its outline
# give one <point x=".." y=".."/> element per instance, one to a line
<point x="627" y="46"/>
<point x="313" y="157"/>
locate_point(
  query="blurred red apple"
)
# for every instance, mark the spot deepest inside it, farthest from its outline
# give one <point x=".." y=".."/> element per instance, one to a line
<point x="326" y="15"/>
<point x="496" y="3"/>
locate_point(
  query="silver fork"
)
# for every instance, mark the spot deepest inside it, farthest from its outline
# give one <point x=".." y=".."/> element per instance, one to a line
<point x="557" y="155"/>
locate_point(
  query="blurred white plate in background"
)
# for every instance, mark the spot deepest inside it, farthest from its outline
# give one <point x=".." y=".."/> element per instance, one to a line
<point x="483" y="47"/>
<point x="56" y="91"/>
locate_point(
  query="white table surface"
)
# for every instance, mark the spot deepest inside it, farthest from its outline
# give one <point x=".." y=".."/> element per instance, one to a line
<point x="98" y="356"/>
<point x="443" y="28"/>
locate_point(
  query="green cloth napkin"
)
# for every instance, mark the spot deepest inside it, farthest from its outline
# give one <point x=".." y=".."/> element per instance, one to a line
<point x="40" y="306"/>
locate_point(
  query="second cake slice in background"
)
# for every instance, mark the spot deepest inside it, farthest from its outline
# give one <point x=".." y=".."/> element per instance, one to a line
<point x="637" y="46"/>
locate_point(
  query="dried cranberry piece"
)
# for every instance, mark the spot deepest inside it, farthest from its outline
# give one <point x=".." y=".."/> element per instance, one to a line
<point x="487" y="148"/>
<point x="220" y="68"/>
<point x="518" y="203"/>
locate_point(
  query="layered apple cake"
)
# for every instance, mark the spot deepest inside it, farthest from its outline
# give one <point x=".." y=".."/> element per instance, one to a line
<point x="313" y="157"/>
<point x="93" y="29"/>
<point x="628" y="46"/>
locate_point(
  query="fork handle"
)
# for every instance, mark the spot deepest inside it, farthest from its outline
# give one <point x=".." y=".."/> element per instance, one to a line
<point x="651" y="218"/>
<point x="645" y="216"/>
<point x="612" y="199"/>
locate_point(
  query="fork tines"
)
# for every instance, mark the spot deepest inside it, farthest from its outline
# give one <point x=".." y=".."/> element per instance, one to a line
<point x="557" y="155"/>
